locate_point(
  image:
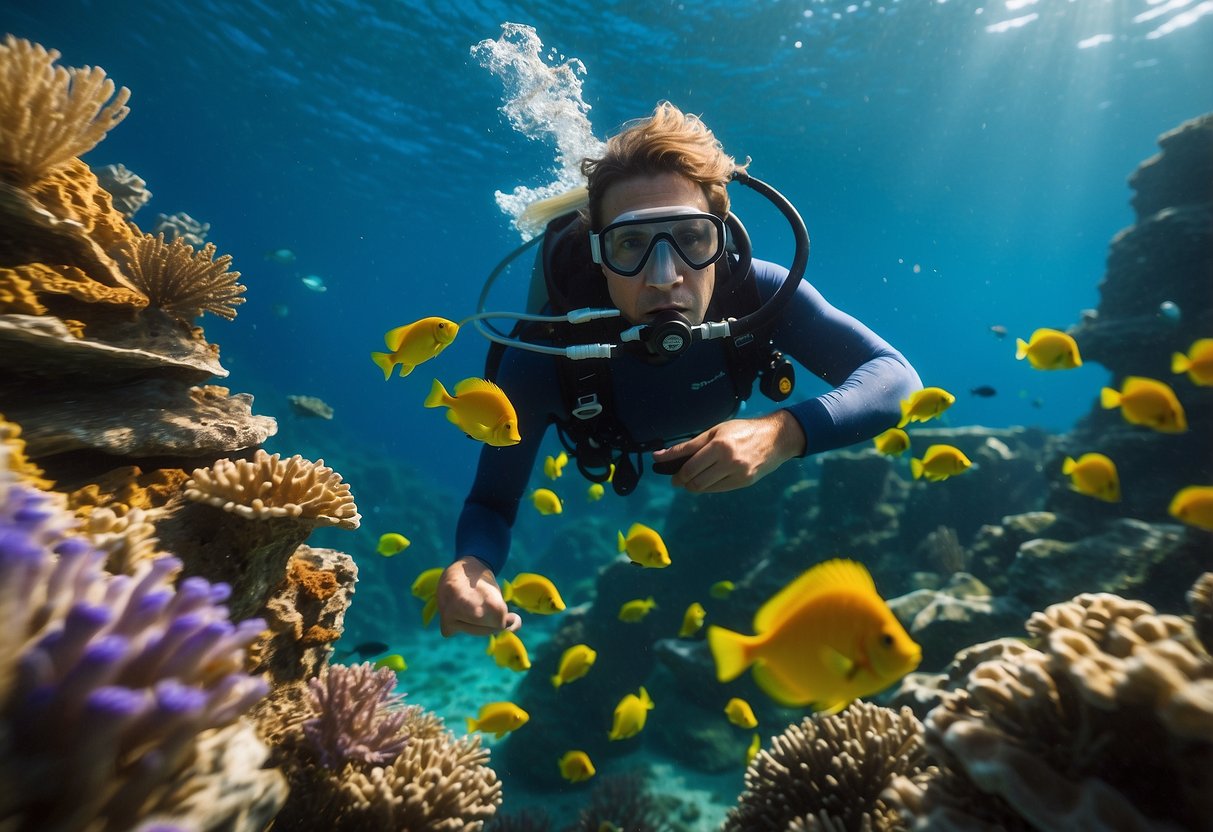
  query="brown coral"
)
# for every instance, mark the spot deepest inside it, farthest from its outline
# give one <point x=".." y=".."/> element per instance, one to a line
<point x="50" y="114"/>
<point x="1200" y="601"/>
<point x="17" y="462"/>
<point x="181" y="281"/>
<point x="269" y="486"/>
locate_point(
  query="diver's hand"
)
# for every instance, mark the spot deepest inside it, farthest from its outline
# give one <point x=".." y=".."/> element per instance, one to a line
<point x="735" y="453"/>
<point x="469" y="600"/>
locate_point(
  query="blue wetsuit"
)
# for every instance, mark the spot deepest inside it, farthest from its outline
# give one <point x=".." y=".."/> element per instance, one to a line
<point x="689" y="395"/>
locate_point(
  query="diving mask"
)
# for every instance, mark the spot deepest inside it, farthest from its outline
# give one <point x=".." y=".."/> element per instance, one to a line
<point x="626" y="245"/>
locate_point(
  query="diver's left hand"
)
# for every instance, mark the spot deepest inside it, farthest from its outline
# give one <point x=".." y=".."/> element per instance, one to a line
<point x="736" y="453"/>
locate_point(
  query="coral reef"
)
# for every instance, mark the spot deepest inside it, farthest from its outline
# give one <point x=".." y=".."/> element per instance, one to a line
<point x="356" y="716"/>
<point x="181" y="226"/>
<point x="128" y="190"/>
<point x="623" y="801"/>
<point x="183" y="282"/>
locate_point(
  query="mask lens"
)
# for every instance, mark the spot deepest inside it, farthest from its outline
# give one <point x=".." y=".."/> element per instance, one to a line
<point x="627" y="245"/>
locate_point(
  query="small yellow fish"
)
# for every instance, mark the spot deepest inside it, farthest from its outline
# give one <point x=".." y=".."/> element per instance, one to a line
<point x="480" y="409"/>
<point x="533" y="593"/>
<point x="721" y="589"/>
<point x="636" y="609"/>
<point x="823" y="640"/>
<point x="594" y="492"/>
<point x="498" y="719"/>
<point x="752" y="751"/>
<point x="1049" y="349"/>
<point x="575" y="662"/>
<point x="740" y="713"/>
<point x="553" y="466"/>
<point x="630" y="715"/>
<point x="939" y="463"/>
<point x="925" y="405"/>
<point x="427" y="583"/>
<point x="644" y="547"/>
<point x="692" y="620"/>
<point x="1147" y="401"/>
<point x="1198" y="363"/>
<point x="1193" y="505"/>
<point x="575" y="766"/>
<point x="509" y="651"/>
<point x="395" y="661"/>
<point x="893" y="442"/>
<point x="546" y="501"/>
<point x="1094" y="475"/>
<point x="392" y="544"/>
<point x="414" y="343"/>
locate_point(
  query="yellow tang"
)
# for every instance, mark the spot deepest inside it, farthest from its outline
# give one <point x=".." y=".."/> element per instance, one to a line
<point x="392" y="544"/>
<point x="721" y="589"/>
<point x="546" y="501"/>
<point x="575" y="662"/>
<point x="1193" y="505"/>
<point x="752" y="751"/>
<point x="509" y="651"/>
<point x="427" y="583"/>
<point x="1094" y="475"/>
<point x="630" y="715"/>
<point x="644" y="547"/>
<point x="692" y="620"/>
<point x="823" y="640"/>
<point x="575" y="766"/>
<point x="939" y="463"/>
<point x="636" y="609"/>
<point x="395" y="661"/>
<point x="533" y="593"/>
<point x="924" y="405"/>
<point x="594" y="492"/>
<point x="1049" y="349"/>
<point x="498" y="719"/>
<point x="893" y="442"/>
<point x="480" y="409"/>
<point x="553" y="466"/>
<point x="740" y="713"/>
<point x="1147" y="401"/>
<point x="414" y="343"/>
<point x="1198" y="363"/>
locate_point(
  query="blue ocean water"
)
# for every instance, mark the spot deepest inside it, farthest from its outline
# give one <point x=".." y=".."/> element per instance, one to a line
<point x="959" y="165"/>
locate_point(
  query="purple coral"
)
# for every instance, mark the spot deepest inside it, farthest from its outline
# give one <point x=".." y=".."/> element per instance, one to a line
<point x="105" y="680"/>
<point x="358" y="716"/>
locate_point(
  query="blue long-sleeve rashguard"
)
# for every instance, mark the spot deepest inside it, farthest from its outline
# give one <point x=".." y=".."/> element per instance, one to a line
<point x="687" y="396"/>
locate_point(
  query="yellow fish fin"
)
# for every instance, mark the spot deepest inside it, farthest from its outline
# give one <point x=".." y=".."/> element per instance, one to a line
<point x="838" y="663"/>
<point x="1021" y="349"/>
<point x="395" y="337"/>
<point x="429" y="610"/>
<point x="1109" y="398"/>
<point x="472" y="725"/>
<point x="492" y="644"/>
<point x="730" y="650"/>
<point x="1068" y="466"/>
<point x="906" y="405"/>
<point x="623" y="543"/>
<point x="471" y="385"/>
<point x="916" y="468"/>
<point x="507" y="590"/>
<point x="405" y="369"/>
<point x="453" y="418"/>
<point x="824" y="577"/>
<point x="777" y="689"/>
<point x="1180" y="363"/>
<point x="384" y="361"/>
<point x="831" y="708"/>
<point x="438" y="396"/>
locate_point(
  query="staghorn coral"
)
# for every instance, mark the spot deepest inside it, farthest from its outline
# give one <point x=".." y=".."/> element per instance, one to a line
<point x="1108" y="726"/>
<point x="50" y="114"/>
<point x="180" y="281"/>
<point x="829" y="773"/>
<point x="128" y="190"/>
<point x="269" y="486"/>
<point x="357" y="717"/>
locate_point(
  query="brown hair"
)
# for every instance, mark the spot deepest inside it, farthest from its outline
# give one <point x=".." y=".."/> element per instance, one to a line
<point x="669" y="141"/>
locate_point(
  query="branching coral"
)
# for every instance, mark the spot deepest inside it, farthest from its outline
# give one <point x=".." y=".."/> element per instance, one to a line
<point x="181" y="281"/>
<point x="49" y="114"/>
<point x="829" y="772"/>
<point x="357" y="716"/>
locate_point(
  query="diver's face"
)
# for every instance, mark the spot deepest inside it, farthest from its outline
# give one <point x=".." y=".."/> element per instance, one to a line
<point x="667" y="282"/>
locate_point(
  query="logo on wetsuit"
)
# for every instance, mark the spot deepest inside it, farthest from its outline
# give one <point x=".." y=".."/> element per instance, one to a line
<point x="699" y="385"/>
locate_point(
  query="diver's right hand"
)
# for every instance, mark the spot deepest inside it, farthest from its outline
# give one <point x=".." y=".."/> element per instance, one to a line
<point x="469" y="600"/>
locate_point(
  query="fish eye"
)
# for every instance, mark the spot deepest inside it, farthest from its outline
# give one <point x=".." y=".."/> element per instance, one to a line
<point x="442" y="326"/>
<point x="886" y="640"/>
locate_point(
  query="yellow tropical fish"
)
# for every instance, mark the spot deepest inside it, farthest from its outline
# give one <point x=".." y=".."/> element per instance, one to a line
<point x="575" y="662"/>
<point x="594" y="492"/>
<point x="636" y="609"/>
<point x="546" y="501"/>
<point x="498" y="719"/>
<point x="644" y="547"/>
<point x="823" y="640"/>
<point x="752" y="751"/>
<point x="392" y="544"/>
<point x="414" y="343"/>
<point x="426" y="583"/>
<point x="553" y="466"/>
<point x="692" y="620"/>
<point x="1147" y="401"/>
<point x="1193" y="505"/>
<point x="480" y="409"/>
<point x="939" y="463"/>
<point x="575" y="766"/>
<point x="630" y="715"/>
<point x="533" y="593"/>
<point x="1049" y="349"/>
<point x="893" y="442"/>
<point x="721" y="589"/>
<point x="1094" y="475"/>
<point x="740" y="713"/>
<point x="509" y="651"/>
<point x="1198" y="363"/>
<point x="395" y="661"/>
<point x="925" y="405"/>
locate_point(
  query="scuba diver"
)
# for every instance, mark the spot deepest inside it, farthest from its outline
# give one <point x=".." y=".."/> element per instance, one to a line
<point x="656" y="270"/>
